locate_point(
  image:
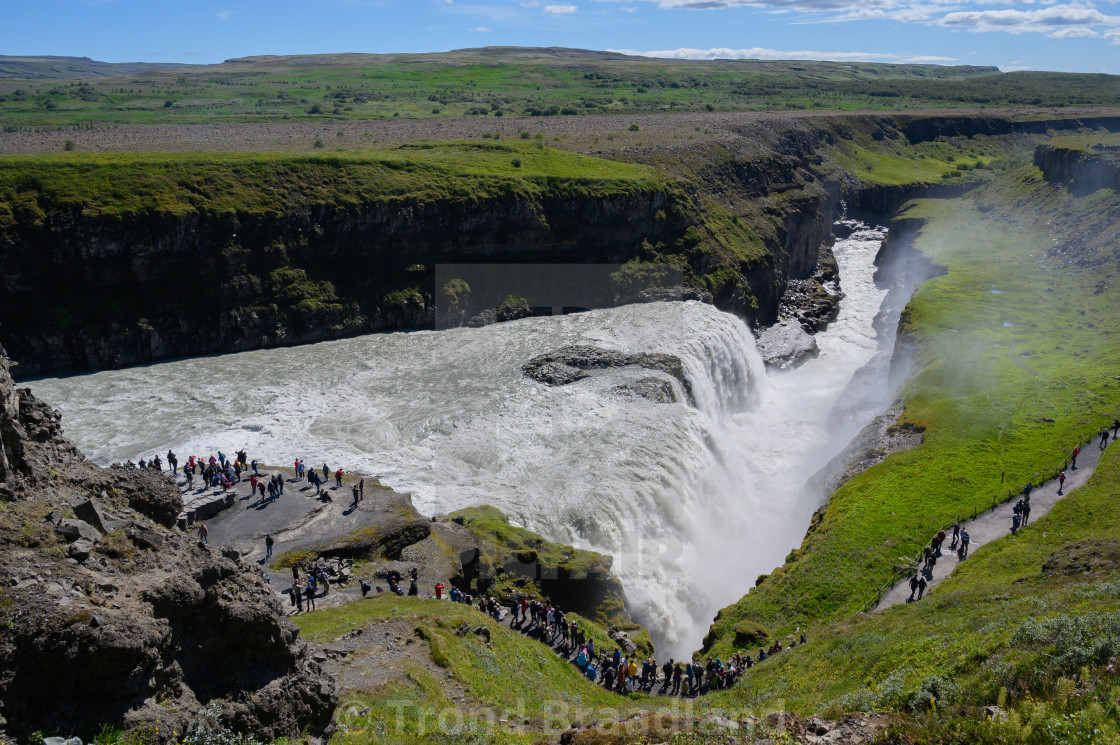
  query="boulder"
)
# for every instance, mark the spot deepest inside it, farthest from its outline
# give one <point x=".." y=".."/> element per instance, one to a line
<point x="80" y="549"/>
<point x="144" y="537"/>
<point x="786" y="344"/>
<point x="72" y="530"/>
<point x="149" y="492"/>
<point x="90" y="511"/>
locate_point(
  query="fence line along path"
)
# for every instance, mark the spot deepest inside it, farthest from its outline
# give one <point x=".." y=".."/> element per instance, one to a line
<point x="996" y="523"/>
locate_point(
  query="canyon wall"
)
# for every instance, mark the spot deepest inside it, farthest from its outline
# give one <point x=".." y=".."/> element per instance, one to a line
<point x="741" y="219"/>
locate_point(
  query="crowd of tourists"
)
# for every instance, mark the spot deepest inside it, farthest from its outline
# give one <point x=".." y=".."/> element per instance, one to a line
<point x="1100" y="148"/>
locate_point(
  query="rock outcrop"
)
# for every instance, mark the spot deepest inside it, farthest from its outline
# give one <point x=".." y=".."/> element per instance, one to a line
<point x="569" y="364"/>
<point x="113" y="618"/>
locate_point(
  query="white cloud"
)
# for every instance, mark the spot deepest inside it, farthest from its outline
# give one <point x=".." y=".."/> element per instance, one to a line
<point x="531" y="4"/>
<point x="560" y="9"/>
<point x="224" y="14"/>
<point x="1073" y="32"/>
<point x="479" y="30"/>
<point x="776" y="54"/>
<point x="1044" y="20"/>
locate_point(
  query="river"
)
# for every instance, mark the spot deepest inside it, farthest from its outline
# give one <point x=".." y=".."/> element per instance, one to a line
<point x="694" y="501"/>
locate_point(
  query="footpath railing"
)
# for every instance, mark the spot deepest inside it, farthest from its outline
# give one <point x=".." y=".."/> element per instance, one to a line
<point x="910" y="570"/>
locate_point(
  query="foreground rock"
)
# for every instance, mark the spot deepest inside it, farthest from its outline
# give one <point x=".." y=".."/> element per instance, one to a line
<point x="114" y="618"/>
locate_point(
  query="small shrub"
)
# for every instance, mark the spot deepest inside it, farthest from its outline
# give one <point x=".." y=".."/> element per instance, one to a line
<point x="516" y="162"/>
<point x="69" y="145"/>
<point x="634" y="128"/>
<point x="319" y="142"/>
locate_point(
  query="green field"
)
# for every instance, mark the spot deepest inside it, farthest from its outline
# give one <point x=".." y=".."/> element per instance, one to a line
<point x="502" y="82"/>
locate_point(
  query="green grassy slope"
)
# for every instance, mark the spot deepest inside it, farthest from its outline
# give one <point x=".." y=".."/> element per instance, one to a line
<point x="511" y="678"/>
<point x="1017" y="332"/>
<point x="1017" y="617"/>
<point x="509" y="81"/>
<point x="261" y="183"/>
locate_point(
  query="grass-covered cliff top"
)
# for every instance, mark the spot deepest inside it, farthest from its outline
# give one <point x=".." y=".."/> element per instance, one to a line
<point x="504" y="540"/>
<point x="176" y="184"/>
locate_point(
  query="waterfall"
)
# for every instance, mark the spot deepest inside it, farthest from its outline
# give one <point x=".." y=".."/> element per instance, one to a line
<point x="694" y="500"/>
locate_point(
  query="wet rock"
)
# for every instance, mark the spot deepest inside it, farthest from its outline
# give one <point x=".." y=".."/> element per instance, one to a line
<point x="786" y="344"/>
<point x="651" y="389"/>
<point x="569" y="364"/>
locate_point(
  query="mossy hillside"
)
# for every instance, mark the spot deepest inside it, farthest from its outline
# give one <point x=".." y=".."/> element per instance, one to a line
<point x="1027" y="620"/>
<point x="511" y="674"/>
<point x="179" y="184"/>
<point x="511" y="558"/>
<point x="1014" y="334"/>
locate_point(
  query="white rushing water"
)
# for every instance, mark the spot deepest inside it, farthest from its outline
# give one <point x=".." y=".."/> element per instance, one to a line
<point x="693" y="502"/>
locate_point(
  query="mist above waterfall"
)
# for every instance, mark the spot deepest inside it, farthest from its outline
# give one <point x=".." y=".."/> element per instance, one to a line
<point x="694" y="501"/>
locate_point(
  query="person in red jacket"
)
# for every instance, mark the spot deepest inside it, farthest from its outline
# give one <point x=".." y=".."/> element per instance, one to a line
<point x="439" y="590"/>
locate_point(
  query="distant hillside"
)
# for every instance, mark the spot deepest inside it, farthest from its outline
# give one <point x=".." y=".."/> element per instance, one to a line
<point x="502" y="81"/>
<point x="47" y="67"/>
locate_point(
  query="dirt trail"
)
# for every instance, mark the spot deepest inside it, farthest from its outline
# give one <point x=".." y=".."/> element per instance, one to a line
<point x="996" y="523"/>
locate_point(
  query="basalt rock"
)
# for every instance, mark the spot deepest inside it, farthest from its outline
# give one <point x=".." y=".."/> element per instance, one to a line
<point x="569" y="364"/>
<point x="657" y="390"/>
<point x="140" y="629"/>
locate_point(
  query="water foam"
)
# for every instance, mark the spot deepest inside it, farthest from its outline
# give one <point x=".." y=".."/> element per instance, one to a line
<point x="693" y="501"/>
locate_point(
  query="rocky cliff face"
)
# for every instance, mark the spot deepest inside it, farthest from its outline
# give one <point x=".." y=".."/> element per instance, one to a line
<point x="89" y="293"/>
<point x="113" y="618"/>
<point x="1082" y="171"/>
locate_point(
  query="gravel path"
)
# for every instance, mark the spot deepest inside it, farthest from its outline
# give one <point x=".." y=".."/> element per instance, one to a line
<point x="996" y="523"/>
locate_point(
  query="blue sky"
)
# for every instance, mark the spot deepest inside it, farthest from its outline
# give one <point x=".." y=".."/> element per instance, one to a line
<point x="1067" y="35"/>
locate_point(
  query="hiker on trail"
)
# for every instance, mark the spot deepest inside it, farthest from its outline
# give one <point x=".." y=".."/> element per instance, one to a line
<point x="956" y="536"/>
<point x="297" y="595"/>
<point x="260" y="488"/>
<point x="1073" y="459"/>
<point x="256" y="467"/>
<point x="413" y="590"/>
<point x="268" y="544"/>
<point x="309" y="593"/>
<point x="242" y="457"/>
<point x="940" y="541"/>
<point x="1027" y="490"/>
<point x="362" y="489"/>
<point x="439" y="590"/>
<point x="1016" y="519"/>
<point x="677" y="672"/>
<point x="325" y="581"/>
<point x="1026" y="510"/>
<point x="203" y="534"/>
<point x="354" y="487"/>
<point x="172" y="461"/>
<point x="1061" y="482"/>
<point x="964" y="544"/>
<point x="338" y="477"/>
<point x="190" y="478"/>
<point x="913" y="587"/>
<point x="326" y="472"/>
<point x="1104" y="440"/>
<point x="921" y="587"/>
<point x="1115" y="428"/>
